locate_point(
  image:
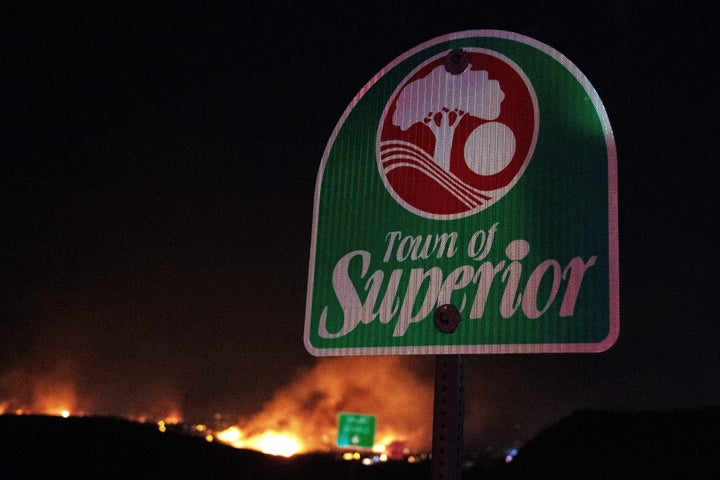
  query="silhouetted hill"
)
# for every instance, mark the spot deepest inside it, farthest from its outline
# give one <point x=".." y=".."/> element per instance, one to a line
<point x="588" y="445"/>
<point x="79" y="448"/>
<point x="94" y="447"/>
<point x="682" y="445"/>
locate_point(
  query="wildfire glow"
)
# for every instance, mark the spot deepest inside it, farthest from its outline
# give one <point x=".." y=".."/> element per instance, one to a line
<point x="231" y="436"/>
<point x="302" y="417"/>
<point x="299" y="418"/>
<point x="270" y="442"/>
<point x="275" y="443"/>
<point x="173" y="418"/>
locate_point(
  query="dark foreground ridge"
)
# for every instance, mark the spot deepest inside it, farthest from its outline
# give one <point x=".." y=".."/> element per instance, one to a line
<point x="45" y="447"/>
<point x="588" y="445"/>
<point x="602" y="445"/>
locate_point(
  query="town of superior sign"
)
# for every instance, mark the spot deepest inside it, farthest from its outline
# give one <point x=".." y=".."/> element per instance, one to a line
<point x="466" y="202"/>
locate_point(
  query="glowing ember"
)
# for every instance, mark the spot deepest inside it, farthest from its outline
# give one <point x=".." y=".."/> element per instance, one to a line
<point x="231" y="436"/>
<point x="173" y="419"/>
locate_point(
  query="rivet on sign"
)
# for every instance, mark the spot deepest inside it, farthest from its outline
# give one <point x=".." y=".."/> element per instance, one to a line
<point x="457" y="61"/>
<point x="446" y="318"/>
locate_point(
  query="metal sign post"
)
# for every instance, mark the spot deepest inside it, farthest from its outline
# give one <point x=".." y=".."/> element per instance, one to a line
<point x="448" y="405"/>
<point x="448" y="417"/>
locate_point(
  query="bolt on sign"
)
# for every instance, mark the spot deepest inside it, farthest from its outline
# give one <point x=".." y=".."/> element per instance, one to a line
<point x="356" y="430"/>
<point x="466" y="202"/>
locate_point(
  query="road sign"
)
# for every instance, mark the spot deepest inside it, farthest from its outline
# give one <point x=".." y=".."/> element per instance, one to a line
<point x="356" y="430"/>
<point x="466" y="202"/>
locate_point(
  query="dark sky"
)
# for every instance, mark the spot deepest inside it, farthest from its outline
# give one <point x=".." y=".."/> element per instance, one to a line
<point x="158" y="171"/>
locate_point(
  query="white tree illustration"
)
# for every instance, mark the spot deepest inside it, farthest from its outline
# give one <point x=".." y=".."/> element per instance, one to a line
<point x="441" y="99"/>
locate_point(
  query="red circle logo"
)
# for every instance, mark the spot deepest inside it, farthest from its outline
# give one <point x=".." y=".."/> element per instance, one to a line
<point x="450" y="144"/>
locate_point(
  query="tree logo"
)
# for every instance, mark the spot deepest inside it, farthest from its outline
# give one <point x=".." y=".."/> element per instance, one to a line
<point x="454" y="138"/>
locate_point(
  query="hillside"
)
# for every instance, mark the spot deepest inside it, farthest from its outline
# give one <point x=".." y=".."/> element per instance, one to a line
<point x="588" y="445"/>
<point x="598" y="444"/>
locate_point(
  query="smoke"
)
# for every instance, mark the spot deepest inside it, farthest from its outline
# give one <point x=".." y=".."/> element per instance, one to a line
<point x="60" y="385"/>
<point x="397" y="390"/>
<point x="390" y="388"/>
<point x="49" y="392"/>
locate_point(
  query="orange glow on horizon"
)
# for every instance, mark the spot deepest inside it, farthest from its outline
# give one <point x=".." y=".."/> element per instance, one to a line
<point x="300" y="417"/>
<point x="269" y="442"/>
<point x="173" y="418"/>
<point x="275" y="443"/>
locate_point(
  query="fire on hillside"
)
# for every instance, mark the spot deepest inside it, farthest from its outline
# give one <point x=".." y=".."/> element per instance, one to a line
<point x="299" y="418"/>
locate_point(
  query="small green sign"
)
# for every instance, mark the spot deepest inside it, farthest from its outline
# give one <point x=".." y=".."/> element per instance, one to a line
<point x="356" y="430"/>
<point x="474" y="175"/>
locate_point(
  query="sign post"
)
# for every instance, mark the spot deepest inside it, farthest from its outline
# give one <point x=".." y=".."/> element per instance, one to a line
<point x="448" y="417"/>
<point x="466" y="203"/>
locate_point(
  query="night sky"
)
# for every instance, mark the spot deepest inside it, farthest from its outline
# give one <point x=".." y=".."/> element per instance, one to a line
<point x="157" y="175"/>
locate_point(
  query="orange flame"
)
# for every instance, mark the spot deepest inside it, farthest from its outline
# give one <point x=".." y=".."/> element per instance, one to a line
<point x="50" y="394"/>
<point x="302" y="417"/>
<point x="299" y="418"/>
<point x="269" y="441"/>
<point x="54" y="393"/>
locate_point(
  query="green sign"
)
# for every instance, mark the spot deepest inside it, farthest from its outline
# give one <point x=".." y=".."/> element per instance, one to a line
<point x="355" y="430"/>
<point x="472" y="179"/>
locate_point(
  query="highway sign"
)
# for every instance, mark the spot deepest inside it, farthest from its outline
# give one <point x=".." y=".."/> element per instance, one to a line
<point x="466" y="202"/>
<point x="355" y="430"/>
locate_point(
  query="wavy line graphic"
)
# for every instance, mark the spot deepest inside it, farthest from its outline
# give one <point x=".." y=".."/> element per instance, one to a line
<point x="396" y="154"/>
